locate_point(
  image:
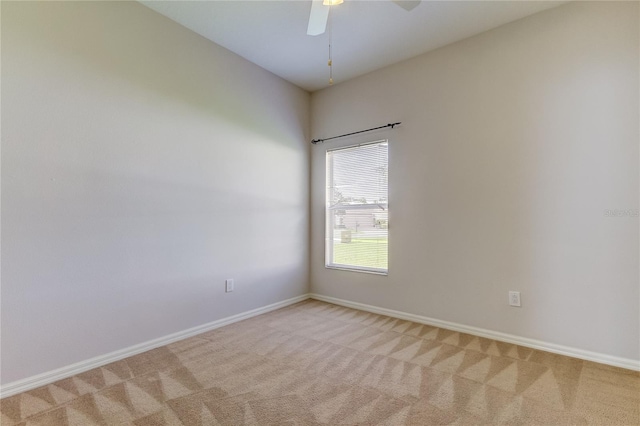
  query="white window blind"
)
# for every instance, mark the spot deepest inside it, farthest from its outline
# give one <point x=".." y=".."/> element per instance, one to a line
<point x="357" y="207"/>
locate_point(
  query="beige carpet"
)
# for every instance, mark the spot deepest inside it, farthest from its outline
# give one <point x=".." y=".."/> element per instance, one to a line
<point x="317" y="363"/>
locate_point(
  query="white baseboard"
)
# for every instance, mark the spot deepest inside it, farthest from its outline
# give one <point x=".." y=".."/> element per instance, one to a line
<point x="615" y="361"/>
<point x="82" y="366"/>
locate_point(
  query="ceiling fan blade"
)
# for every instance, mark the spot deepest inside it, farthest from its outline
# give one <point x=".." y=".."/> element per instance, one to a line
<point x="317" y="18"/>
<point x="407" y="5"/>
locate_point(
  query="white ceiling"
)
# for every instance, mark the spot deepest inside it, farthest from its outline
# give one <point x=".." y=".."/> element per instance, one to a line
<point x="367" y="35"/>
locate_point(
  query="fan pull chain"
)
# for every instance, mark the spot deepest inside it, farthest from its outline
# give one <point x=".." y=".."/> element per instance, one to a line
<point x="330" y="62"/>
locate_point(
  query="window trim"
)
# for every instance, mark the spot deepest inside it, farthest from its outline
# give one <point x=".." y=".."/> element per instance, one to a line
<point x="374" y="271"/>
<point x="328" y="250"/>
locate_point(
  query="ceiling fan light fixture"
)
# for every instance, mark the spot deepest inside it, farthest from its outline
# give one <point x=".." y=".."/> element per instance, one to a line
<point x="332" y="2"/>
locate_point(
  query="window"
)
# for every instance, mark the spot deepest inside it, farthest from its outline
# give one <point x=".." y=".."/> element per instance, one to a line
<point x="357" y="208"/>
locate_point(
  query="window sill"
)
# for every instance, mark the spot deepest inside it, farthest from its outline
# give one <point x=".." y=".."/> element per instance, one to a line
<point x="365" y="271"/>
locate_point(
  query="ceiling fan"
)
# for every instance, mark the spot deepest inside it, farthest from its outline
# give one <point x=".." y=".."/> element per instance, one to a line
<point x="320" y="13"/>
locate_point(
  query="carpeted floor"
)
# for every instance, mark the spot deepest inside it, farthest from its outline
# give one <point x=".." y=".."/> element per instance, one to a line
<point x="317" y="363"/>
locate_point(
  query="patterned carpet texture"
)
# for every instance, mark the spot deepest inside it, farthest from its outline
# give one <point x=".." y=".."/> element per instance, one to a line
<point x="317" y="363"/>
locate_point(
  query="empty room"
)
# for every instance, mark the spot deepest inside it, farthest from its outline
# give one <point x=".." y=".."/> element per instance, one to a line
<point x="306" y="212"/>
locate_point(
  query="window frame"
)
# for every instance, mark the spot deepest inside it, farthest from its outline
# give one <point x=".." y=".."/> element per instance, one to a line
<point x="330" y="217"/>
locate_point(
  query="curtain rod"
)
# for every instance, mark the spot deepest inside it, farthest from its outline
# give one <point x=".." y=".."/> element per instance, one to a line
<point x="392" y="125"/>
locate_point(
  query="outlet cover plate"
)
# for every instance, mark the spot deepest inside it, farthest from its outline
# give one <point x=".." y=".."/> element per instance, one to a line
<point x="514" y="298"/>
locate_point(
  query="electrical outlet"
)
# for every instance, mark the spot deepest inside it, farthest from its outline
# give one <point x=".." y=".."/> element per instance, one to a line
<point x="514" y="298"/>
<point x="228" y="286"/>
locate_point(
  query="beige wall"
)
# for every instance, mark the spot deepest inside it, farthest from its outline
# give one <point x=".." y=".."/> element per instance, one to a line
<point x="141" y="166"/>
<point x="142" y="163"/>
<point x="513" y="144"/>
